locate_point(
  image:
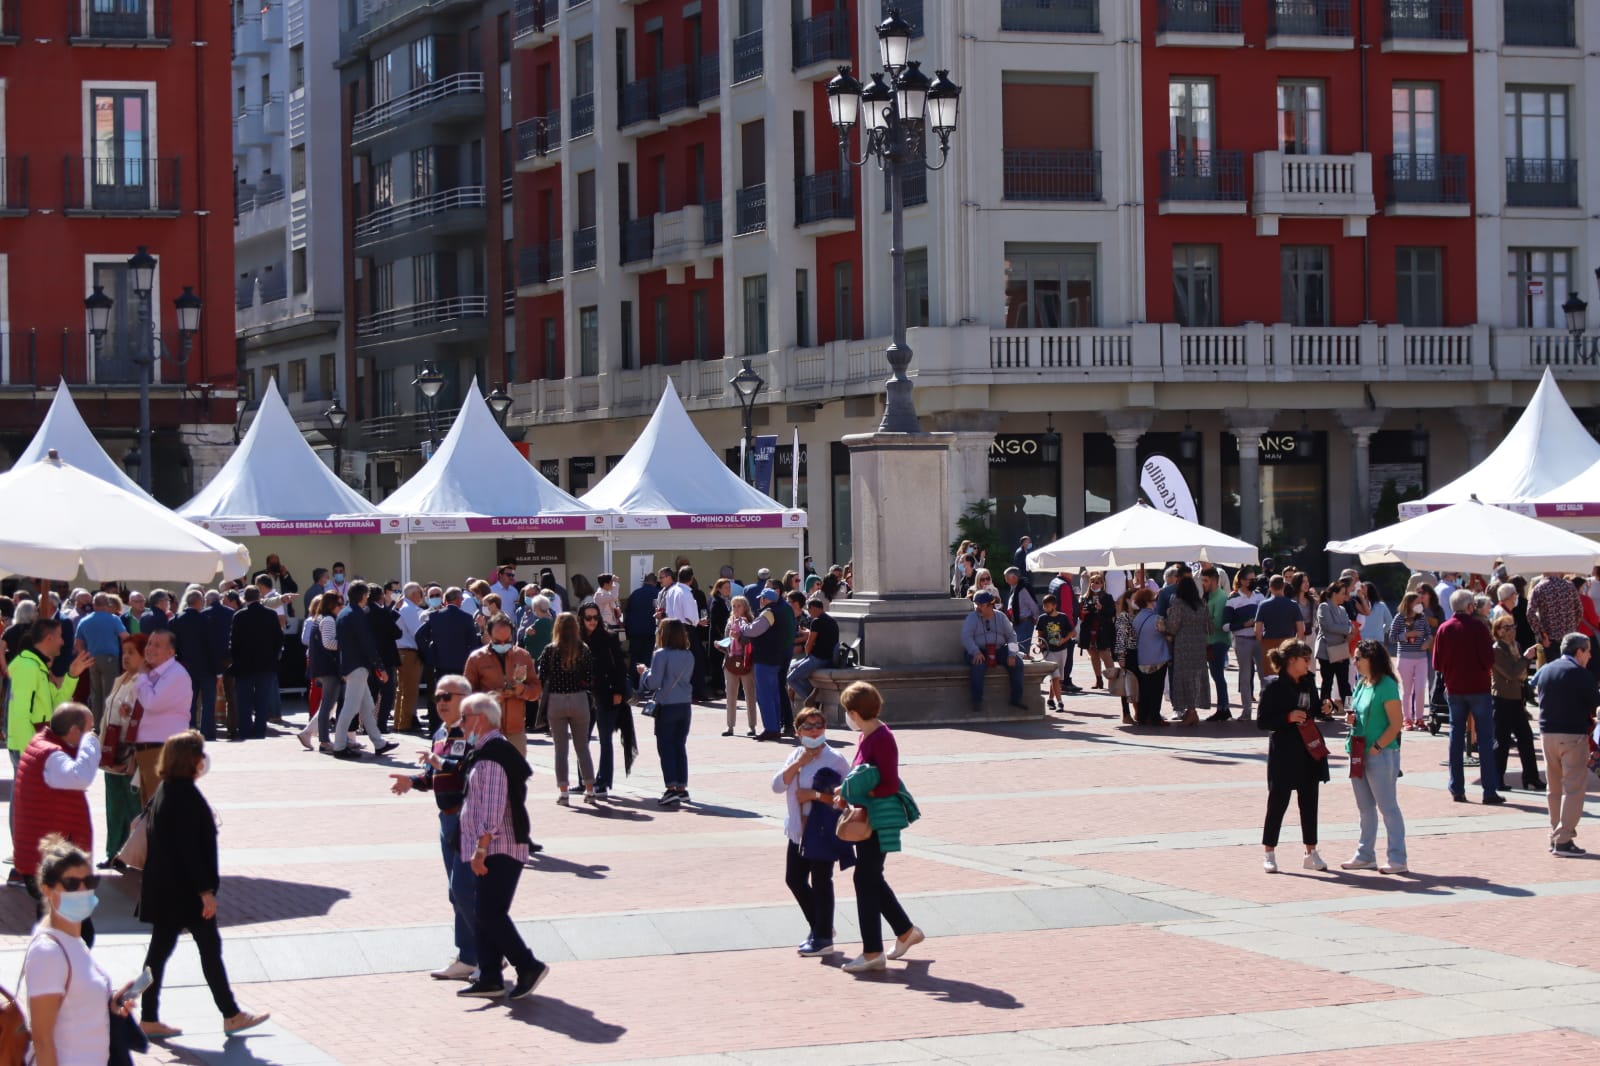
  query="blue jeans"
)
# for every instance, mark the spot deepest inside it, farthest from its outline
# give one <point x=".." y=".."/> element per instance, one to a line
<point x="1375" y="795"/>
<point x="462" y="884"/>
<point x="672" y="743"/>
<point x="768" y="681"/>
<point x="1217" y="659"/>
<point x="1003" y="658"/>
<point x="800" y="676"/>
<point x="205" y="695"/>
<point x="1481" y="708"/>
<point x="1024" y="633"/>
<point x="258" y="701"/>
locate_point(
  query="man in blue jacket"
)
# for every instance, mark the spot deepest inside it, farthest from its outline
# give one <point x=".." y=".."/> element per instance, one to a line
<point x="219" y="620"/>
<point x="1567" y="701"/>
<point x="359" y="659"/>
<point x="197" y="651"/>
<point x="448" y="636"/>
<point x="639" y="621"/>
<point x="255" y="643"/>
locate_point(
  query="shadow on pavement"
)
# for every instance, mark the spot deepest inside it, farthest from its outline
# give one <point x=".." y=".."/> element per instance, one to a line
<point x="559" y="1016"/>
<point x="548" y="864"/>
<point x="1413" y="883"/>
<point x="917" y="976"/>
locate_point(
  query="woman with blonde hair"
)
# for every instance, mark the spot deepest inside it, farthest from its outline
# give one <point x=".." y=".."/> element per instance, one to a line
<point x="670" y="680"/>
<point x="1412" y="637"/>
<point x="736" y="666"/>
<point x="566" y="672"/>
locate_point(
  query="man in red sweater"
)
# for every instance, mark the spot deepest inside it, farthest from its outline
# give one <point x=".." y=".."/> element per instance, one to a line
<point x="1463" y="653"/>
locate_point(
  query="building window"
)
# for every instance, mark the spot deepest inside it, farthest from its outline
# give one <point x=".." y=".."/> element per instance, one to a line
<point x="297" y="270"/>
<point x="382" y="185"/>
<point x="1419" y="289"/>
<point x="1416" y="119"/>
<point x="383" y="287"/>
<point x="421" y="61"/>
<point x="588" y="341"/>
<point x="1539" y="172"/>
<point x="120" y="175"/>
<point x="382" y="78"/>
<point x="802" y="308"/>
<point x="662" y="311"/>
<point x="297" y="168"/>
<point x="1194" y="284"/>
<point x="698" y="334"/>
<point x="1303" y="276"/>
<point x="1189" y="116"/>
<point x="1301" y="128"/>
<point x="630" y="359"/>
<point x="297" y="68"/>
<point x="327" y="375"/>
<point x="297" y="376"/>
<point x="1540" y="279"/>
<point x="1051" y="286"/>
<point x="844" y="301"/>
<point x="583" y="66"/>
<point x="552" y="356"/>
<point x="839" y="497"/>
<point x="422" y="173"/>
<point x="755" y="314"/>
<point x="917" y="287"/>
<point x="423" y="285"/>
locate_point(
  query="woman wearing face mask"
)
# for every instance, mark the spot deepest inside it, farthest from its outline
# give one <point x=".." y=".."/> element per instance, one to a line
<point x="1413" y="637"/>
<point x="538" y="626"/>
<point x="808" y="782"/>
<point x="122" y="795"/>
<point x="180" y="883"/>
<point x="69" y="995"/>
<point x="1097" y="630"/>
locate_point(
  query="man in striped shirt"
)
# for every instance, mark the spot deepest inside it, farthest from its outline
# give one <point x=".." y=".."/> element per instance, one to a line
<point x="494" y="840"/>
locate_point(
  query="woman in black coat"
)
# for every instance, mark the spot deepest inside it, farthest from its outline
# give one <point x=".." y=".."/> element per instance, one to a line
<point x="612" y="713"/>
<point x="179" y="890"/>
<point x="1287" y="700"/>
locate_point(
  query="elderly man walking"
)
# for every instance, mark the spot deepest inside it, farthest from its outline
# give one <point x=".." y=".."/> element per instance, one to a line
<point x="1463" y="654"/>
<point x="1568" y="697"/>
<point x="51" y="789"/>
<point x="166" y="694"/>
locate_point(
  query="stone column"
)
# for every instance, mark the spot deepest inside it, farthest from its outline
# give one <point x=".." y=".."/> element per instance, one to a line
<point x="970" y="434"/>
<point x="1126" y="427"/>
<point x="1477" y="437"/>
<point x="1248" y="426"/>
<point x="1361" y="424"/>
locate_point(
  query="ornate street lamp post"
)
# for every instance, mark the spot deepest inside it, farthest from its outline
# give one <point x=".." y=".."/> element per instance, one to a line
<point x="746" y="384"/>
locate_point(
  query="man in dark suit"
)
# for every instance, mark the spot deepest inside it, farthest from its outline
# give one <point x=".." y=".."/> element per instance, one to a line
<point x="219" y="624"/>
<point x="255" y="643"/>
<point x="359" y="661"/>
<point x="448" y="636"/>
<point x="384" y="621"/>
<point x="639" y="621"/>
<point x="192" y="632"/>
<point x="156" y="615"/>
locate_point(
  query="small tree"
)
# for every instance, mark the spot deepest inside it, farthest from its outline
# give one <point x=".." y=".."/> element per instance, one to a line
<point x="977" y="525"/>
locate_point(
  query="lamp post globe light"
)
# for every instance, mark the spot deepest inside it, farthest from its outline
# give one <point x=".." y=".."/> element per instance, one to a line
<point x="336" y="417"/>
<point x="98" y="306"/>
<point x="896" y="110"/>
<point x="499" y="402"/>
<point x="429" y="382"/>
<point x="746" y="384"/>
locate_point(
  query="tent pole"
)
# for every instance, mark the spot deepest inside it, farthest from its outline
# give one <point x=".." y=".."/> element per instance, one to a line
<point x="606" y="549"/>
<point x="800" y="555"/>
<point x="405" y="558"/>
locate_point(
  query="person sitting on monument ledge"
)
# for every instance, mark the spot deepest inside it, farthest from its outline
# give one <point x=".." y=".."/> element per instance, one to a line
<point x="989" y="641"/>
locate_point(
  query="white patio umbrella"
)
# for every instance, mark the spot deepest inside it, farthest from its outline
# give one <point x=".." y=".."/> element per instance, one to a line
<point x="1471" y="537"/>
<point x="55" y="518"/>
<point x="1141" y="536"/>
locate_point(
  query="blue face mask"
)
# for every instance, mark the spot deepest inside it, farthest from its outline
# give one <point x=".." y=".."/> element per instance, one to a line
<point x="502" y="648"/>
<point x="472" y="739"/>
<point x="435" y="601"/>
<point x="338" y="579"/>
<point x="77" y="906"/>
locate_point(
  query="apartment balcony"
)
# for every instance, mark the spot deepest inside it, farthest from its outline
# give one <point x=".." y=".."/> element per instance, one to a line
<point x="637" y="110"/>
<point x="444" y="101"/>
<point x="638" y="244"/>
<point x="538" y="142"/>
<point x="708" y="84"/>
<point x="1313" y="186"/>
<point x="400" y="432"/>
<point x="823" y="203"/>
<point x="121" y="188"/>
<point x="1434" y="186"/>
<point x="749" y="58"/>
<point x="273" y="115"/>
<point x="821" y="43"/>
<point x="1202" y="183"/>
<point x="384" y="17"/>
<point x="1541" y="183"/>
<point x="1436" y="26"/>
<point x="535" y="23"/>
<point x="260" y="209"/>
<point x="272" y="21"/>
<point x="256" y="296"/>
<point x="683" y="239"/>
<point x="248" y="39"/>
<point x="539" y="269"/>
<point x="250" y="129"/>
<point x="913" y="184"/>
<point x="123" y="24"/>
<point x="452" y="313"/>
<point x="1541" y="23"/>
<point x="583" y="248"/>
<point x="13" y="186"/>
<point x="750" y="211"/>
<point x="1199" y="24"/>
<point x="423" y="220"/>
<point x="582" y="111"/>
<point x="677" y="96"/>
<point x="1310" y="25"/>
<point x="1050" y="16"/>
<point x="1055" y="175"/>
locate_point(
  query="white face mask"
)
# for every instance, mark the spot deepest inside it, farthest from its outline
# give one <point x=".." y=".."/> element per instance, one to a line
<point x="1418" y="609"/>
<point x="813" y="741"/>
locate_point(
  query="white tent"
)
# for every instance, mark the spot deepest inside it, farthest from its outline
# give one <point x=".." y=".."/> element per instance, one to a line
<point x="671" y="487"/>
<point x="1546" y="448"/>
<point x="56" y="519"/>
<point x="64" y="431"/>
<point x="1141" y="536"/>
<point x="1470" y="538"/>
<point x="275" y="485"/>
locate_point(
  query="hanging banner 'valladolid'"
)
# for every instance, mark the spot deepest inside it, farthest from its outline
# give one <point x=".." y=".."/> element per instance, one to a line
<point x="1166" y="488"/>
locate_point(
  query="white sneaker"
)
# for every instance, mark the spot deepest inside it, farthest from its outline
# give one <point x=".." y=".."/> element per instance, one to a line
<point x="1359" y="864"/>
<point x="1314" y="861"/>
<point x="1399" y="868"/>
<point x="861" y="964"/>
<point x="456" y="971"/>
<point x="1269" y="862"/>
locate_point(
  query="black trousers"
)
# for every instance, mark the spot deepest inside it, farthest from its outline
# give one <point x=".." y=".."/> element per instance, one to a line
<point x="1511" y="727"/>
<point x="811" y="882"/>
<point x="1151" y="689"/>
<point x="785" y="704"/>
<point x="697" y="644"/>
<point x="875" y="900"/>
<point x="1278" y="806"/>
<point x="1335" y="673"/>
<point x="163" y="939"/>
<point x="497" y="936"/>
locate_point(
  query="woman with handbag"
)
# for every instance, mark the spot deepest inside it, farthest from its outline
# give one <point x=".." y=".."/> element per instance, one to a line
<point x="736" y="667"/>
<point x="121" y="715"/>
<point x="1188" y="626"/>
<point x="610" y="695"/>
<point x="1297" y="756"/>
<point x="1506" y="685"/>
<point x="1096" y="630"/>
<point x="1376" y="722"/>
<point x="670" y="680"/>
<point x="1331" y="642"/>
<point x="179" y="891"/>
<point x="808" y="796"/>
<point x="70" y="1003"/>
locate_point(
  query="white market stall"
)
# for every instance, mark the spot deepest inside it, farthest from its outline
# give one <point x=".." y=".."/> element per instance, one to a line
<point x="478" y="485"/>
<point x="56" y="519"/>
<point x="1141" y="536"/>
<point x="1547" y="448"/>
<point x="1472" y="537"/>
<point x="671" y="490"/>
<point x="66" y="433"/>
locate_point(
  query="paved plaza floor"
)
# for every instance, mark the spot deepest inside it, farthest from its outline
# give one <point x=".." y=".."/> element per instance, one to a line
<point x="1091" y="894"/>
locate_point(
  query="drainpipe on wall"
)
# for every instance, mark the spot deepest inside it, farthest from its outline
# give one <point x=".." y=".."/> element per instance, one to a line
<point x="1366" y="240"/>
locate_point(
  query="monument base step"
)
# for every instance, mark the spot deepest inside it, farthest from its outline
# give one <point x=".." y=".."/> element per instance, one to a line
<point x="936" y="694"/>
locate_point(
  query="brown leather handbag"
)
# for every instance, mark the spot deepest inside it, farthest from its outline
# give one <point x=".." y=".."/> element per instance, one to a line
<point x="854" y="827"/>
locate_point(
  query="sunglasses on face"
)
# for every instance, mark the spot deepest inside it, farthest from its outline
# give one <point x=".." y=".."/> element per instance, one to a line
<point x="591" y="618"/>
<point x="75" y="884"/>
<point x="446" y="697"/>
<point x="809" y="726"/>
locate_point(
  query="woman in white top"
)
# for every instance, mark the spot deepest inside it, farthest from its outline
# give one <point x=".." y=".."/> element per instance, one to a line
<point x="122" y="789"/>
<point x="811" y="880"/>
<point x="69" y="994"/>
<point x="739" y="620"/>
